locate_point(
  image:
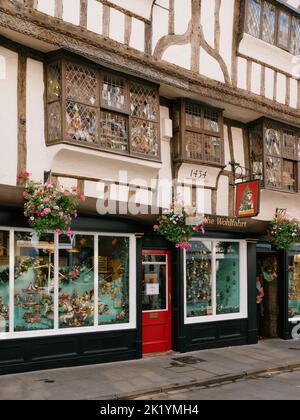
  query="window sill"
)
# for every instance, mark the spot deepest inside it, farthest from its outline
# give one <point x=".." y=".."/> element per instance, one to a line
<point x="199" y="162"/>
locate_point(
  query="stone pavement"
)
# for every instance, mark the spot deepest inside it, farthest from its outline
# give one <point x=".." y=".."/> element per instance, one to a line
<point x="151" y="374"/>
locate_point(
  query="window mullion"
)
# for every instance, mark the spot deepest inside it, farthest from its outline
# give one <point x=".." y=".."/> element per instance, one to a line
<point x="11" y="280"/>
<point x="56" y="281"/>
<point x="214" y="279"/>
<point x="96" y="279"/>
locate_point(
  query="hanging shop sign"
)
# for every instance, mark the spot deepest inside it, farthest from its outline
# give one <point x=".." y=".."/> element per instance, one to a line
<point x="247" y="199"/>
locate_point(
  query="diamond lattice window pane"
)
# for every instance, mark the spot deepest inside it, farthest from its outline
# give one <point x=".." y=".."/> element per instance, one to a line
<point x="144" y="138"/>
<point x="193" y="115"/>
<point x="81" y="84"/>
<point x="254" y="17"/>
<point x="54" y="82"/>
<point x="269" y="21"/>
<point x="289" y="144"/>
<point x="54" y="122"/>
<point x="194" y="146"/>
<point x="81" y="123"/>
<point x="295" y="36"/>
<point x="256" y="149"/>
<point x="273" y="172"/>
<point x="272" y="140"/>
<point x="114" y="132"/>
<point x="114" y="92"/>
<point x="283" y="29"/>
<point x="288" y="175"/>
<point x="144" y="102"/>
<point x="212" y="149"/>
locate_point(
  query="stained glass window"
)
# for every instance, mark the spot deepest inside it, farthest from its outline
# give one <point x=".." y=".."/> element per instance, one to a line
<point x="4" y="281"/>
<point x="269" y="23"/>
<point x="113" y="265"/>
<point x="254" y="17"/>
<point x="34" y="282"/>
<point x="76" y="281"/>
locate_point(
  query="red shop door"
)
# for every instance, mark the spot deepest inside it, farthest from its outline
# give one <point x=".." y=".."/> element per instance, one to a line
<point x="156" y="300"/>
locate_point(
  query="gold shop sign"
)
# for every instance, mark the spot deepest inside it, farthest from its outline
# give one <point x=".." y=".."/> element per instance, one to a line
<point x="225" y="222"/>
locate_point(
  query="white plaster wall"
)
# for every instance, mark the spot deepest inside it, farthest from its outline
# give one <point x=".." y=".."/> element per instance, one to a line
<point x="293" y="93"/>
<point x="179" y="55"/>
<point x="223" y="196"/>
<point x="160" y="24"/>
<point x="208" y="21"/>
<point x="281" y="88"/>
<point x="238" y="145"/>
<point x="37" y="155"/>
<point x="207" y="202"/>
<point x="269" y="83"/>
<point x="271" y="200"/>
<point x="94" y="16"/>
<point x="183" y="14"/>
<point x="226" y="23"/>
<point x="139" y="7"/>
<point x="256" y="78"/>
<point x="209" y="67"/>
<point x="242" y="73"/>
<point x="270" y="54"/>
<point x="137" y="39"/>
<point x="8" y="118"/>
<point x="71" y="11"/>
<point x="117" y="25"/>
<point x="46" y="6"/>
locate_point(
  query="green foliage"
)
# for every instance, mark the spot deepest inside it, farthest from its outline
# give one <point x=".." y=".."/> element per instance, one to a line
<point x="284" y="232"/>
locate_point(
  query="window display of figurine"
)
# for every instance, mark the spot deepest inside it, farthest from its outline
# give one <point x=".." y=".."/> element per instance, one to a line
<point x="294" y="283"/>
<point x="81" y="123"/>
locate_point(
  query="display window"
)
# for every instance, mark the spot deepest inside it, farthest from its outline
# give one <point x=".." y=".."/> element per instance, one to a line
<point x="215" y="281"/>
<point x="55" y="284"/>
<point x="294" y="283"/>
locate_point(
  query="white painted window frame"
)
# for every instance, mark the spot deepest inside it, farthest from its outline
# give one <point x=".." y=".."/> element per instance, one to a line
<point x="243" y="314"/>
<point x="56" y="331"/>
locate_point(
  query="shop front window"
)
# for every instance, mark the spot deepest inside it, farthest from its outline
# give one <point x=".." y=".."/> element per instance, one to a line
<point x="55" y="284"/>
<point x="113" y="307"/>
<point x="228" y="278"/>
<point x="154" y="285"/>
<point x="216" y="284"/>
<point x="76" y="281"/>
<point x="294" y="283"/>
<point x="4" y="281"/>
<point x="34" y="282"/>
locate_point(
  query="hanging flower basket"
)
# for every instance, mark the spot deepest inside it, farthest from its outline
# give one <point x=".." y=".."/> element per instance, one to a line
<point x="49" y="206"/>
<point x="178" y="225"/>
<point x="284" y="231"/>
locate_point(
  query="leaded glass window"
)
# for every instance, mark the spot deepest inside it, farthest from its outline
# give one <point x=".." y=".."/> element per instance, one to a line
<point x="254" y="17"/>
<point x="273" y="141"/>
<point x="295" y="36"/>
<point x="283" y="29"/>
<point x="4" y="281"/>
<point x="269" y="22"/>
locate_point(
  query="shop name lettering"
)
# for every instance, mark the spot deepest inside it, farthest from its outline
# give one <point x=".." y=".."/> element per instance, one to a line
<point x="150" y="410"/>
<point x="221" y="221"/>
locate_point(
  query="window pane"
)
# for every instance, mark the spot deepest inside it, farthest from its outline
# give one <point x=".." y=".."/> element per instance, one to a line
<point x="113" y="280"/>
<point x="254" y="17"/>
<point x="81" y="84"/>
<point x="256" y="149"/>
<point x="4" y="282"/>
<point x="81" y="123"/>
<point x="199" y="279"/>
<point x="194" y="145"/>
<point x="295" y="36"/>
<point x="114" y="132"/>
<point x="54" y="121"/>
<point x="144" y="138"/>
<point x="294" y="282"/>
<point x="273" y="142"/>
<point x="211" y="121"/>
<point x="212" y="149"/>
<point x="228" y="277"/>
<point x="269" y="19"/>
<point x="153" y="258"/>
<point x="34" y="282"/>
<point x="288" y="175"/>
<point x="76" y="281"/>
<point x="144" y="102"/>
<point x="283" y="29"/>
<point x="193" y="116"/>
<point x="54" y="82"/>
<point x="289" y="144"/>
<point x="113" y="92"/>
<point x="273" y="172"/>
<point x="154" y="287"/>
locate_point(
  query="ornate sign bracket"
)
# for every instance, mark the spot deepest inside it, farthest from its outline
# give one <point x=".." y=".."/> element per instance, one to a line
<point x="241" y="173"/>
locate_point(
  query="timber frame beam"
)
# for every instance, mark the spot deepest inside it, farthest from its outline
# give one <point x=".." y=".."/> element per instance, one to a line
<point x="97" y="48"/>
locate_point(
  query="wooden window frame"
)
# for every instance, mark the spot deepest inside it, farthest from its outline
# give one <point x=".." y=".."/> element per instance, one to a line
<point x="279" y="8"/>
<point x="182" y="129"/>
<point x="264" y="124"/>
<point x="63" y="59"/>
